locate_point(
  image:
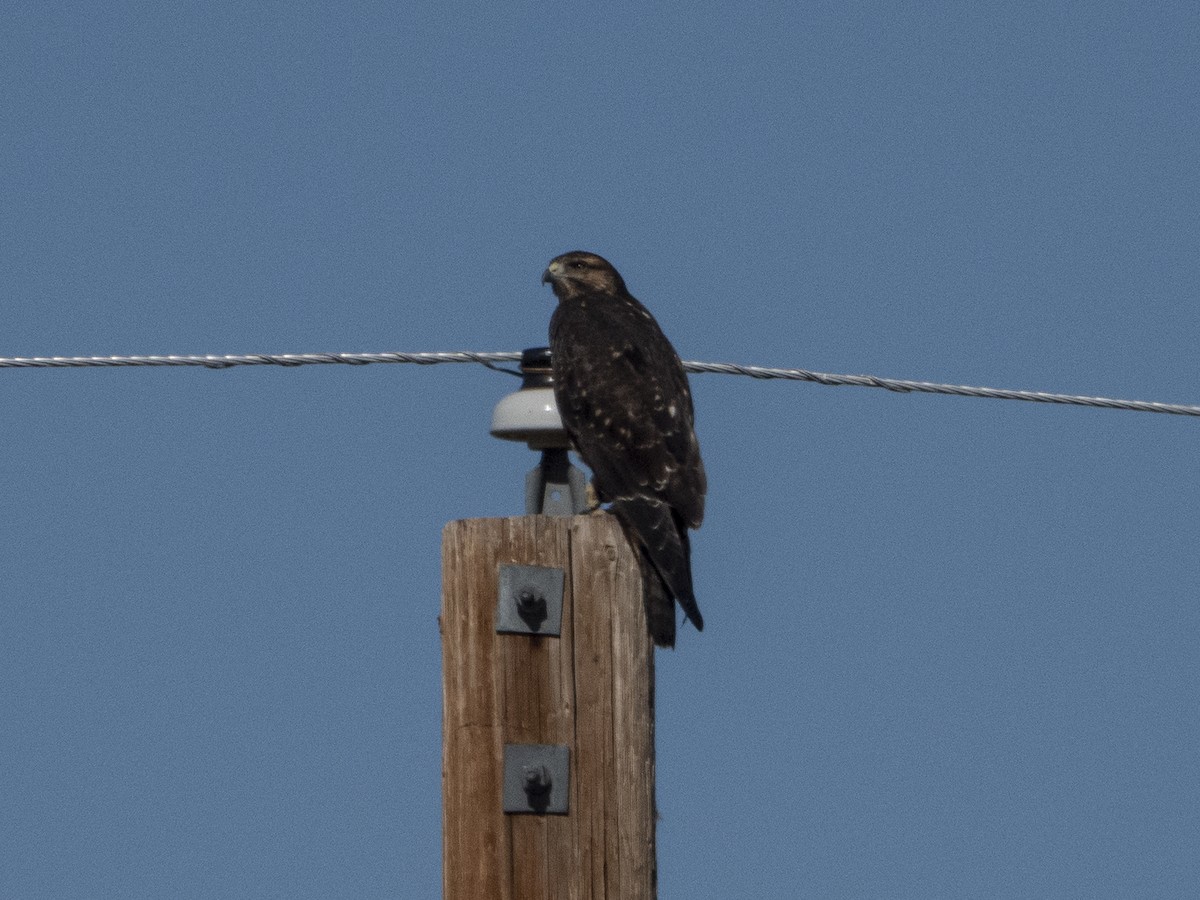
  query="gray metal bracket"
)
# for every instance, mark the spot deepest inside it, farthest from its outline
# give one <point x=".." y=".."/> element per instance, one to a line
<point x="537" y="778"/>
<point x="530" y="600"/>
<point x="554" y="487"/>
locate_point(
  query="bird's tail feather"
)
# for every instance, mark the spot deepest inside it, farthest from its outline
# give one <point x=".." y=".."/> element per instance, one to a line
<point x="660" y="608"/>
<point x="654" y="528"/>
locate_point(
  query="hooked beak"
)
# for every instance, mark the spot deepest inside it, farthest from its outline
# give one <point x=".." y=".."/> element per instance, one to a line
<point x="552" y="272"/>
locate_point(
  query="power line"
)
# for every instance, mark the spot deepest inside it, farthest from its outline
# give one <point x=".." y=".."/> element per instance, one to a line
<point x="254" y="359"/>
<point x="956" y="390"/>
<point x="491" y="360"/>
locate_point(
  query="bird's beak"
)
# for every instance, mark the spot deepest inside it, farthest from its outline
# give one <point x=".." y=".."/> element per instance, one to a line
<point x="552" y="271"/>
<point x="547" y="277"/>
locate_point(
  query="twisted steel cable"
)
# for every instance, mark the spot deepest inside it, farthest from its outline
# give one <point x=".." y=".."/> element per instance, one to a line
<point x="492" y="359"/>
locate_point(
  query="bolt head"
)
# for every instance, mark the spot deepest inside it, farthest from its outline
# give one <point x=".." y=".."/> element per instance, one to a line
<point x="537" y="779"/>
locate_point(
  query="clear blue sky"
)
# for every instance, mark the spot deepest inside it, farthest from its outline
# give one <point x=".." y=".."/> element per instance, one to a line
<point x="952" y="644"/>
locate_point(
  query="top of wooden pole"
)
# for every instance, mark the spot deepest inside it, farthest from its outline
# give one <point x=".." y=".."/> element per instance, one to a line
<point x="590" y="689"/>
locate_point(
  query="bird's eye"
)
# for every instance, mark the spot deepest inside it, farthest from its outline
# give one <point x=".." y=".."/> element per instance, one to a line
<point x="578" y="264"/>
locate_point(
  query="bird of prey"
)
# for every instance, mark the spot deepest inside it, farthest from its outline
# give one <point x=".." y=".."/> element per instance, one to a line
<point x="624" y="399"/>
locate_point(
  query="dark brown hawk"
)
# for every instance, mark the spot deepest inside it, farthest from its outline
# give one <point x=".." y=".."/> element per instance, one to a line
<point x="624" y="399"/>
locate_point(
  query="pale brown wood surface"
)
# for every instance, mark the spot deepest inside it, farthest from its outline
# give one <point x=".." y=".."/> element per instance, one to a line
<point x="591" y="689"/>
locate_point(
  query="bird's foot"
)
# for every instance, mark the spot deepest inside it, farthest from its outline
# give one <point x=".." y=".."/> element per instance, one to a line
<point x="592" y="499"/>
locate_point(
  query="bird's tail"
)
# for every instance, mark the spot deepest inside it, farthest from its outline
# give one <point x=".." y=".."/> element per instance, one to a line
<point x="660" y="608"/>
<point x="662" y="538"/>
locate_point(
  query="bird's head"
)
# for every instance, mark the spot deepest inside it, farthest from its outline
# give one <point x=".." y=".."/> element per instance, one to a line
<point x="578" y="272"/>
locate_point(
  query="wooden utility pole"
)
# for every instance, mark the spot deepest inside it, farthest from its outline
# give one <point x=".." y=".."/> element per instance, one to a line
<point x="591" y="689"/>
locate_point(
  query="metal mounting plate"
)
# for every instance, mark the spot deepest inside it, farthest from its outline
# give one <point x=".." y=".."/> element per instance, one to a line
<point x="536" y="778"/>
<point x="530" y="600"/>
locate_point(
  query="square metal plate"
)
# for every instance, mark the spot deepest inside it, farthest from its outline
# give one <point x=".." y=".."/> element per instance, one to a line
<point x="530" y="600"/>
<point x="537" y="778"/>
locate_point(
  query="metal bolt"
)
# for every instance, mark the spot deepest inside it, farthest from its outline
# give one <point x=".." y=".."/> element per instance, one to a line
<point x="531" y="606"/>
<point x="537" y="780"/>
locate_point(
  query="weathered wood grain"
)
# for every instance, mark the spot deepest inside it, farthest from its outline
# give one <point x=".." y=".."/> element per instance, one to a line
<point x="591" y="689"/>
